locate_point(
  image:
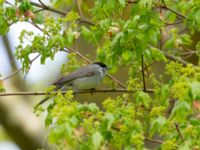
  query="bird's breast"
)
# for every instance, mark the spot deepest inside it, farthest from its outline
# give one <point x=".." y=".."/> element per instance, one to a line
<point x="86" y="83"/>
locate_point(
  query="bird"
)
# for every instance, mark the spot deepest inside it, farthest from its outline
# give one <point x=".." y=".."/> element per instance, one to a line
<point x="85" y="78"/>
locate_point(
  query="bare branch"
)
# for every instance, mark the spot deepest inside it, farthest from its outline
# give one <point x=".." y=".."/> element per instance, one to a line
<point x="153" y="140"/>
<point x="177" y="13"/>
<point x="18" y="70"/>
<point x="170" y="108"/>
<point x="12" y="74"/>
<point x="132" y="1"/>
<point x="143" y="74"/>
<point x="43" y="6"/>
<point x="179" y="132"/>
<point x="48" y="8"/>
<point x="175" y="23"/>
<point x="79" y="8"/>
<point x="9" y="3"/>
<point x="81" y="92"/>
<point x="39" y="10"/>
<point x="176" y="59"/>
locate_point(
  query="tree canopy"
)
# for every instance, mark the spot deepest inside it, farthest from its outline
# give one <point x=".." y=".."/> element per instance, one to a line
<point x="159" y="108"/>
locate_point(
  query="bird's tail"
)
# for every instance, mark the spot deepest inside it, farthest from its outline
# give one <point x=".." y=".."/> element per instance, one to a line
<point x="46" y="98"/>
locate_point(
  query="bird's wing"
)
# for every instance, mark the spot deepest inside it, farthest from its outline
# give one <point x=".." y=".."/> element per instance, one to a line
<point x="82" y="72"/>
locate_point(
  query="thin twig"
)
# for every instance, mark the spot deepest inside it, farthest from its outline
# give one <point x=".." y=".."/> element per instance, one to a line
<point x="161" y="31"/>
<point x="35" y="25"/>
<point x="79" y="8"/>
<point x="179" y="132"/>
<point x="153" y="140"/>
<point x="81" y="92"/>
<point x="177" y="13"/>
<point x="175" y="23"/>
<point x="170" y="107"/>
<point x="143" y="74"/>
<point x="132" y="1"/>
<point x="176" y="59"/>
<point x="39" y="10"/>
<point x="116" y="80"/>
<point x="48" y="8"/>
<point x="82" y="17"/>
<point x="9" y="3"/>
<point x="12" y="74"/>
<point x="18" y="70"/>
<point x="43" y="4"/>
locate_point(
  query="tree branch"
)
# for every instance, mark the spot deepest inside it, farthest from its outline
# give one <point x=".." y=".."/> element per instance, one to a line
<point x="177" y="13"/>
<point x="81" y="92"/>
<point x="175" y="59"/>
<point x="79" y="8"/>
<point x="143" y="74"/>
<point x="48" y="8"/>
<point x="9" y="3"/>
<point x="18" y="70"/>
<point x="132" y="1"/>
<point x="179" y="132"/>
<point x="43" y="6"/>
<point x="153" y="140"/>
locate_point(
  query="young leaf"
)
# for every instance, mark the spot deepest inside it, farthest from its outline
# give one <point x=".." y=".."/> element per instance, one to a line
<point x="97" y="139"/>
<point x="3" y="26"/>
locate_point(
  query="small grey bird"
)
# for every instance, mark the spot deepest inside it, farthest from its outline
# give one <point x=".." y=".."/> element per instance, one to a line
<point x="85" y="78"/>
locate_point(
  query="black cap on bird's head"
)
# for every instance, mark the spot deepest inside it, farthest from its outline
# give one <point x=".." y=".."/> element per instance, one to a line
<point x="101" y="64"/>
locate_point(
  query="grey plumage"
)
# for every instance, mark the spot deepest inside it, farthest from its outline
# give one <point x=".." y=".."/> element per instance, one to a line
<point x="88" y="77"/>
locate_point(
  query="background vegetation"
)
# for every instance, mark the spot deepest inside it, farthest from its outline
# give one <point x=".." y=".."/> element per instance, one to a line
<point x="152" y="47"/>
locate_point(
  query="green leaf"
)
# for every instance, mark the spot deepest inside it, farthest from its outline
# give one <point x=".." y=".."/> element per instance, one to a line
<point x="1" y="2"/>
<point x="108" y="121"/>
<point x="10" y="13"/>
<point x="87" y="34"/>
<point x="180" y="111"/>
<point x="48" y="119"/>
<point x="25" y="5"/>
<point x="162" y="94"/>
<point x="70" y="37"/>
<point x="142" y="98"/>
<point x="193" y="18"/>
<point x="56" y="41"/>
<point x="97" y="139"/>
<point x="157" y="125"/>
<point x="195" y="90"/>
<point x="146" y="4"/>
<point x="74" y="120"/>
<point x="2" y="89"/>
<point x="157" y="54"/>
<point x="169" y="43"/>
<point x="122" y="2"/>
<point x="39" y="18"/>
<point x="93" y="107"/>
<point x="185" y="39"/>
<point x="3" y="26"/>
<point x="57" y="133"/>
